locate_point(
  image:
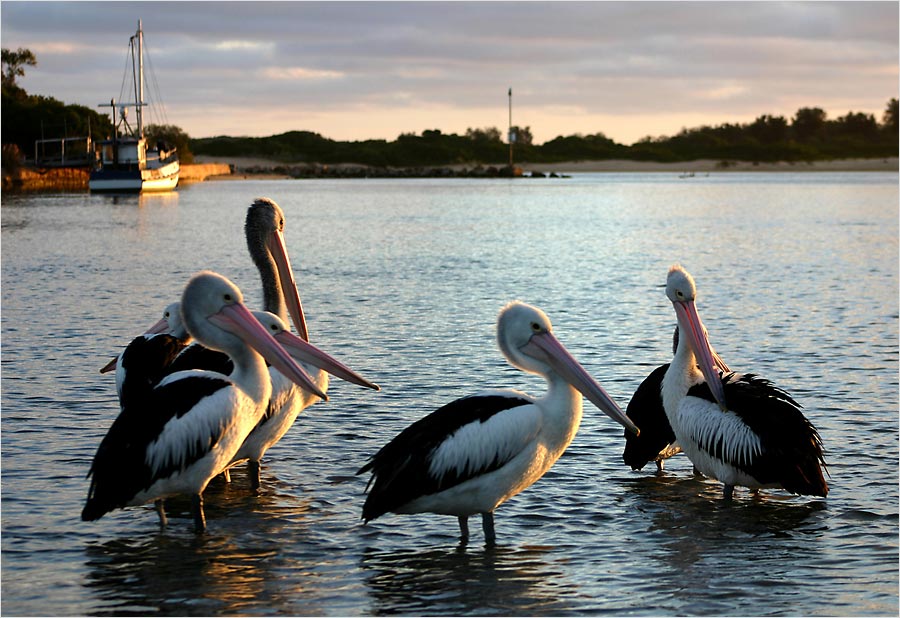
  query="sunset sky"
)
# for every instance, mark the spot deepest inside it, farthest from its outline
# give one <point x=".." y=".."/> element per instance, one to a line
<point x="352" y="71"/>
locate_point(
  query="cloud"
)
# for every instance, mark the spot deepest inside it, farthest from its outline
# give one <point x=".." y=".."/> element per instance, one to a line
<point x="299" y="74"/>
<point x="448" y="64"/>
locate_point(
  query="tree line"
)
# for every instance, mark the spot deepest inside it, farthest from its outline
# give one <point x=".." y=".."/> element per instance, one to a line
<point x="28" y="118"/>
<point x="808" y="136"/>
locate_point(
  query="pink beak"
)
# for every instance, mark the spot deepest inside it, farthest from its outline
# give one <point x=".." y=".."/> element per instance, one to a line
<point x="305" y="352"/>
<point x="707" y="359"/>
<point x="237" y="319"/>
<point x="288" y="285"/>
<point x="547" y="347"/>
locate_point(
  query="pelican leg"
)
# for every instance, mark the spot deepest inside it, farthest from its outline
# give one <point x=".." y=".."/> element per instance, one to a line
<point x="197" y="510"/>
<point x="659" y="465"/>
<point x="729" y="492"/>
<point x="696" y="471"/>
<point x="463" y="529"/>
<point x="487" y="524"/>
<point x="253" y="471"/>
<point x="227" y="474"/>
<point x="161" y="511"/>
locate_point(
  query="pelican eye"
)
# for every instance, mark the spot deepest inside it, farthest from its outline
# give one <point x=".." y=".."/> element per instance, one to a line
<point x="536" y="327"/>
<point x="228" y="298"/>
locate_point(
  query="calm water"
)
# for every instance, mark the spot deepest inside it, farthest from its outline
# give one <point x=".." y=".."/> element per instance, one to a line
<point x="798" y="276"/>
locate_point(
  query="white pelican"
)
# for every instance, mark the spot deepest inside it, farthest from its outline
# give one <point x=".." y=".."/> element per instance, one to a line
<point x="737" y="428"/>
<point x="149" y="356"/>
<point x="475" y="453"/>
<point x="185" y="429"/>
<point x="265" y="240"/>
<point x="657" y="440"/>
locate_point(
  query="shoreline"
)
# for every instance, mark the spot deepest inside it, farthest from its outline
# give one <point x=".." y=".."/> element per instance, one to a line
<point x="209" y="168"/>
<point x="254" y="167"/>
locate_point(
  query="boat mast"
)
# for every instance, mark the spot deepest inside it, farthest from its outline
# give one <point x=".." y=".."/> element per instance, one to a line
<point x="140" y="101"/>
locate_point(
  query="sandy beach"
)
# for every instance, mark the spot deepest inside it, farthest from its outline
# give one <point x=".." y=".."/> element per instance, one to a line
<point x="892" y="164"/>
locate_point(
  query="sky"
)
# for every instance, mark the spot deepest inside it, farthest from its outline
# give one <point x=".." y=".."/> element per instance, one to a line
<point x="374" y="70"/>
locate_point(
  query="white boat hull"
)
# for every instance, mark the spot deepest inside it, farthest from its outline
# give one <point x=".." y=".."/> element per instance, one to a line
<point x="135" y="181"/>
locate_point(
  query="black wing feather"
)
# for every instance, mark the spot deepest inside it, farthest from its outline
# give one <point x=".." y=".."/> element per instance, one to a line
<point x="119" y="469"/>
<point x="646" y="411"/>
<point x="400" y="469"/>
<point x="145" y="362"/>
<point x="196" y="356"/>
<point x="793" y="455"/>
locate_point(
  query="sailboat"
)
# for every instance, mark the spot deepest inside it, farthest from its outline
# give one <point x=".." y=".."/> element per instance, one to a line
<point x="127" y="162"/>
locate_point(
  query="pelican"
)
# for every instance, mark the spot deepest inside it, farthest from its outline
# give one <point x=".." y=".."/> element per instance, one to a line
<point x="145" y="361"/>
<point x="657" y="440"/>
<point x="264" y="231"/>
<point x="170" y="334"/>
<point x="737" y="428"/>
<point x="265" y="241"/>
<point x="185" y="429"/>
<point x="475" y="453"/>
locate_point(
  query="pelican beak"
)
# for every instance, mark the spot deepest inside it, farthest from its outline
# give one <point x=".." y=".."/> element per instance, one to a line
<point x="237" y="319"/>
<point x="547" y="347"/>
<point x="305" y="352"/>
<point x="288" y="285"/>
<point x="720" y="364"/>
<point x="707" y="359"/>
<point x="111" y="365"/>
<point x="161" y="326"/>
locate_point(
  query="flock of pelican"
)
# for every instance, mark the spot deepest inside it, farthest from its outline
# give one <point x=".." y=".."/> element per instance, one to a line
<point x="214" y="384"/>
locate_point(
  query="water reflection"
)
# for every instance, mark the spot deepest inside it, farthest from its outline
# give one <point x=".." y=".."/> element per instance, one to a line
<point x="693" y="508"/>
<point x="177" y="572"/>
<point x="464" y="581"/>
<point x="771" y="542"/>
<point x="168" y="199"/>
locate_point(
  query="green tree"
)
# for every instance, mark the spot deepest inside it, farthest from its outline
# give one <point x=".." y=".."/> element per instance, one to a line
<point x="489" y="134"/>
<point x="523" y="135"/>
<point x="769" y="129"/>
<point x="857" y="125"/>
<point x="173" y="136"/>
<point x="890" y="117"/>
<point x="14" y="63"/>
<point x="808" y="123"/>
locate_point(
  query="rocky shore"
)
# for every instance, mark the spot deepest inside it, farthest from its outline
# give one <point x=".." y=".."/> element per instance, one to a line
<point x="237" y="168"/>
<point x="349" y="170"/>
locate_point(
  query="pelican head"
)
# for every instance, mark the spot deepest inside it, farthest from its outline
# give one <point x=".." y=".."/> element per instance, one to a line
<point x="213" y="311"/>
<point x="526" y="338"/>
<point x="682" y="291"/>
<point x="170" y="324"/>
<point x="264" y="229"/>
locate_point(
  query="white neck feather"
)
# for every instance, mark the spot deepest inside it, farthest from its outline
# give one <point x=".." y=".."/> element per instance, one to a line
<point x="682" y="374"/>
